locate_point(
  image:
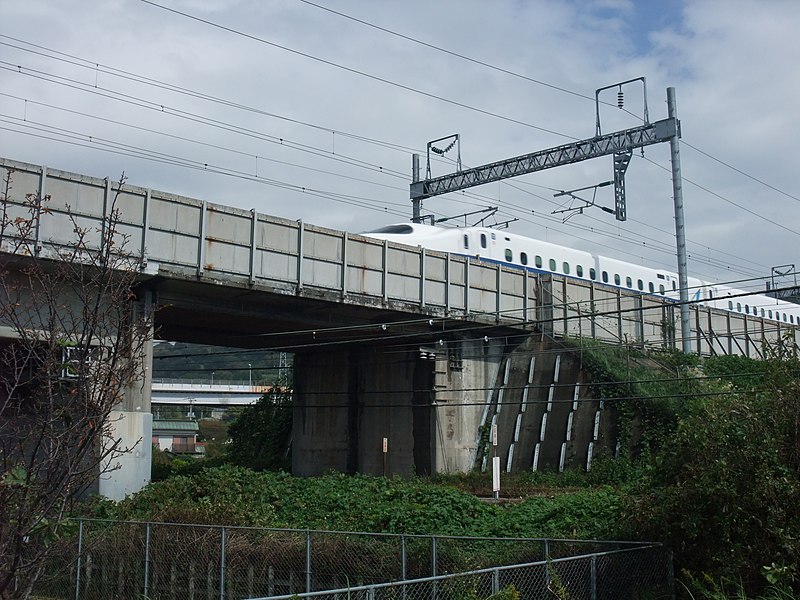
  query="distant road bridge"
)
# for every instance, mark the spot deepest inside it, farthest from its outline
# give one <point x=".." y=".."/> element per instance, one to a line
<point x="181" y="393"/>
<point x="392" y="343"/>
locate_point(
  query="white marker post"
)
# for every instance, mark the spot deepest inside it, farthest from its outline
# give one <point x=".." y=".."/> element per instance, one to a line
<point x="385" y="452"/>
<point x="495" y="465"/>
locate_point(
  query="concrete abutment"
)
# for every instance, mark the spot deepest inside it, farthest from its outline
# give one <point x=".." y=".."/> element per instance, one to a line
<point x="435" y="406"/>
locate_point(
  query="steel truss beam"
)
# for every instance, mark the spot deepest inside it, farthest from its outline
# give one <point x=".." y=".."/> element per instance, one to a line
<point x="613" y="143"/>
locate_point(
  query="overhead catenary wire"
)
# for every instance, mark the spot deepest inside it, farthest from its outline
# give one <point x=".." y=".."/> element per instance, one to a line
<point x="537" y="82"/>
<point x="133" y="151"/>
<point x="193" y="141"/>
<point x="593" y="242"/>
<point x="574" y="225"/>
<point x="193" y="117"/>
<point x="162" y="107"/>
<point x="330" y="63"/>
<point x="387" y="335"/>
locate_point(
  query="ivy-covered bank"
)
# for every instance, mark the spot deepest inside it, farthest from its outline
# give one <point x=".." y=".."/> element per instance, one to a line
<point x="716" y="445"/>
<point x="234" y="495"/>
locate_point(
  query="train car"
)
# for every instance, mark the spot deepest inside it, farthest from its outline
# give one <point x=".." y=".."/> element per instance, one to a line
<point x="543" y="257"/>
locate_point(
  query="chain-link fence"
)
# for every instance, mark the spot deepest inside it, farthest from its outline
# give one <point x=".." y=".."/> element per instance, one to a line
<point x="110" y="559"/>
<point x="643" y="572"/>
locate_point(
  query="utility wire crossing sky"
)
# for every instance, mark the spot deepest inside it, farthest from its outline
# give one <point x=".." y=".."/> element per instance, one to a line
<point x="311" y="110"/>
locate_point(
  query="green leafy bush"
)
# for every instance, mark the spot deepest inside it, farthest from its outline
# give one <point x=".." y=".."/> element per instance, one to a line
<point x="259" y="436"/>
<point x="726" y="493"/>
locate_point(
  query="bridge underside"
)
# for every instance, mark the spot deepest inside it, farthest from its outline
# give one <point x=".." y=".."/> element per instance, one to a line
<point x="200" y="312"/>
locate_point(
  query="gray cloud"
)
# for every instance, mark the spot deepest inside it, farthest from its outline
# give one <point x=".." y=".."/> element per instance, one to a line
<point x="732" y="64"/>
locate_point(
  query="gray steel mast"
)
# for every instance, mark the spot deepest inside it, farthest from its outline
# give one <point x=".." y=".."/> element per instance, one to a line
<point x="618" y="143"/>
<point x="680" y="230"/>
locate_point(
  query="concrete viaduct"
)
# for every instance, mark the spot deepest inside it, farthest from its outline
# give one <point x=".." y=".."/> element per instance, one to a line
<point x="423" y="349"/>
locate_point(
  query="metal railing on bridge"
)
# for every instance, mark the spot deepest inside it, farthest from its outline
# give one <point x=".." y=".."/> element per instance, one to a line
<point x="584" y="309"/>
<point x="192" y="240"/>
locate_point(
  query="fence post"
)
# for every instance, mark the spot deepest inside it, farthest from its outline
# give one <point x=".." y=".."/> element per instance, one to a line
<point x="546" y="551"/>
<point x="670" y="574"/>
<point x="308" y="561"/>
<point x="594" y="577"/>
<point x="496" y="582"/>
<point x="80" y="556"/>
<point x="434" y="560"/>
<point x="222" y="567"/>
<point x="403" y="557"/>
<point x="433" y="556"/>
<point x="147" y="560"/>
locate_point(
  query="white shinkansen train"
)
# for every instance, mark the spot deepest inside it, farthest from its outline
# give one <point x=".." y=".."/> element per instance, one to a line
<point x="543" y="257"/>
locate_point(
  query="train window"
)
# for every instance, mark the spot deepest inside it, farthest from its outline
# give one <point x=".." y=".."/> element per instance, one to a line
<point x="579" y="270"/>
<point x="791" y="319"/>
<point x="552" y="264"/>
<point x="784" y="317"/>
<point x="509" y="255"/>
<point x="755" y="311"/>
<point x="466" y="242"/>
<point x="538" y="262"/>
<point x="483" y="240"/>
<point x="592" y="274"/>
<point x="605" y="276"/>
<point x="660" y="276"/>
<point x="674" y="287"/>
<point x="762" y="313"/>
<point x="770" y="314"/>
<point x="747" y="309"/>
<point x="393" y="229"/>
<point x="628" y="282"/>
<point x="730" y="307"/>
<point x="661" y="289"/>
<point x="777" y="316"/>
<point x="617" y="279"/>
<point x="523" y="258"/>
<point x="711" y="294"/>
<point x="640" y="284"/>
<point x="651" y="287"/>
<point x="738" y="307"/>
<point x="566" y="268"/>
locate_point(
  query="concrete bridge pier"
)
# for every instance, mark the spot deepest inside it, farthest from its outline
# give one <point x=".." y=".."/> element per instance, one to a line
<point x="426" y="401"/>
<point x="131" y="424"/>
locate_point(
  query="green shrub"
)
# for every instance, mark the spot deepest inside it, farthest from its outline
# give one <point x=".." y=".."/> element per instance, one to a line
<point x="726" y="493"/>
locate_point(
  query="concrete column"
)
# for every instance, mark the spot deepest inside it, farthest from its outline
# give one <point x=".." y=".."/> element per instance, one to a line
<point x="465" y="390"/>
<point x="131" y="426"/>
<point x="348" y="400"/>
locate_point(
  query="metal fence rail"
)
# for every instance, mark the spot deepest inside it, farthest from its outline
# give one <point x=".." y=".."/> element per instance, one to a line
<point x="112" y="559"/>
<point x="630" y="573"/>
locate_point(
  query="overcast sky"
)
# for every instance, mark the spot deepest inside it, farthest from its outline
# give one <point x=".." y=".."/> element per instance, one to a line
<point x="312" y="110"/>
